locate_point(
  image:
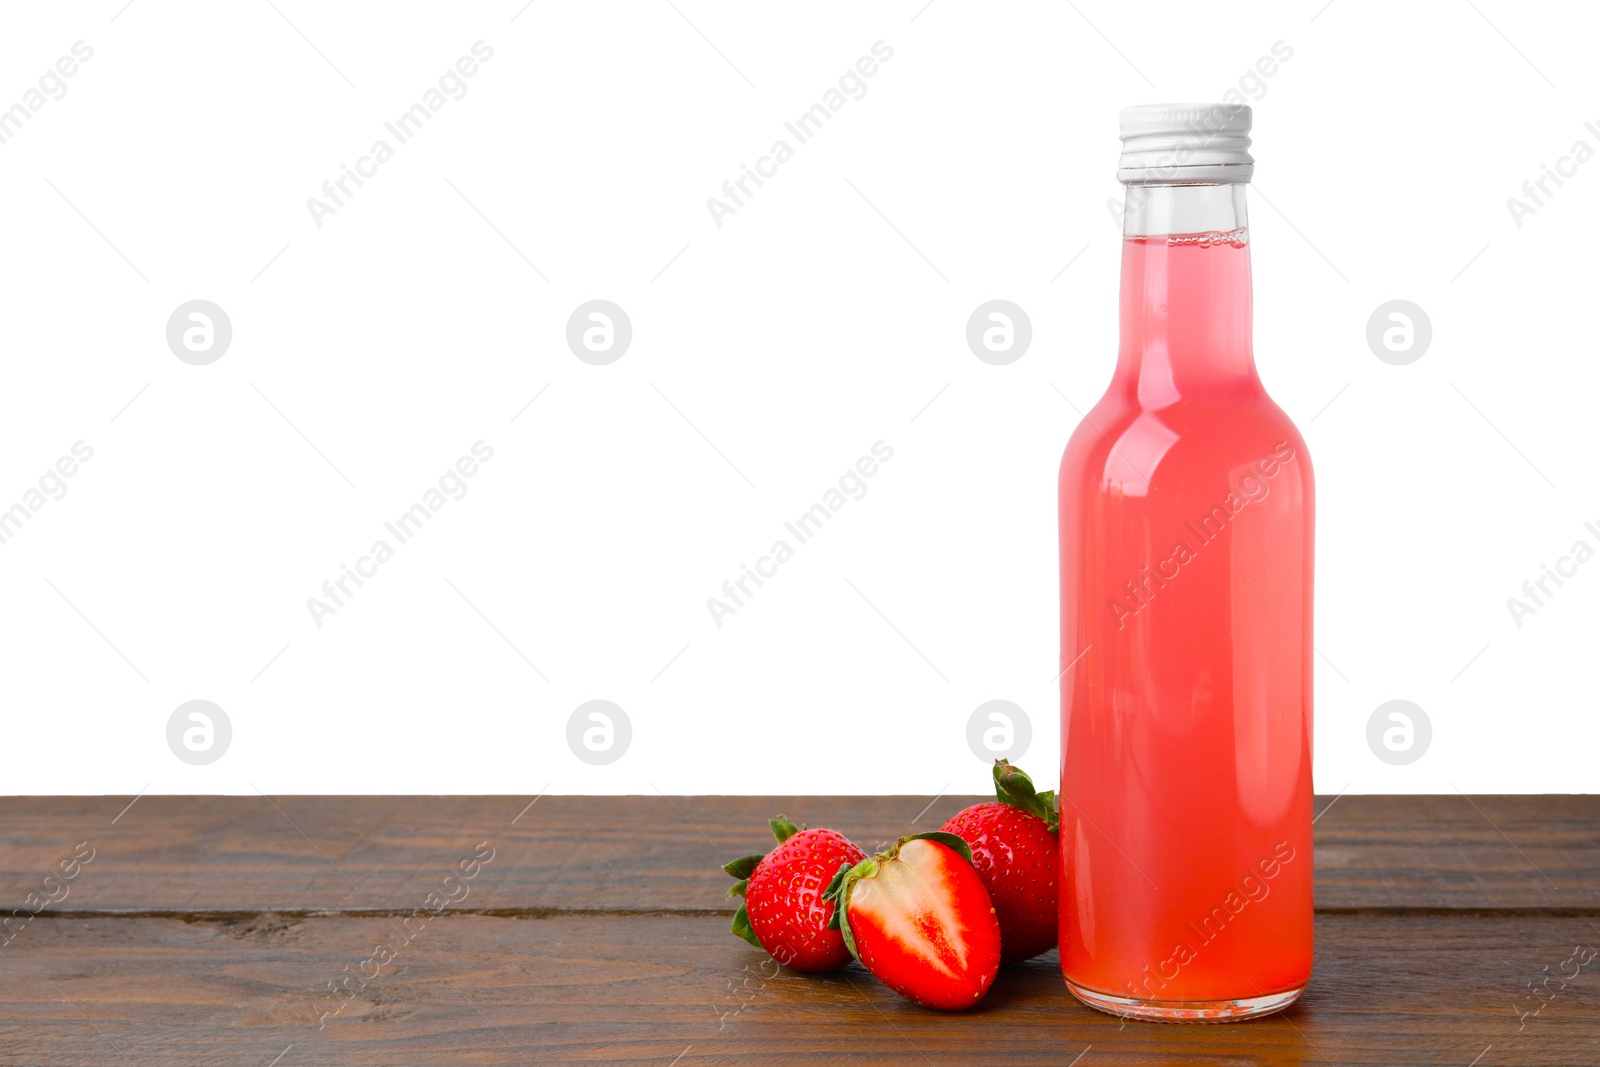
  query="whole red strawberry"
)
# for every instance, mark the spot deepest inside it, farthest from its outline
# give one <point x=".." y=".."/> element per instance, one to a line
<point x="1017" y="853"/>
<point x="918" y="917"/>
<point x="783" y="912"/>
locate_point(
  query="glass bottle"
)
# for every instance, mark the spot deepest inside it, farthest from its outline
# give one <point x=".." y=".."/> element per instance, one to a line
<point x="1186" y="515"/>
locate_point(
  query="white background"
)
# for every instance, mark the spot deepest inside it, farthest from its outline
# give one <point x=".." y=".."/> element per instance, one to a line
<point x="768" y="354"/>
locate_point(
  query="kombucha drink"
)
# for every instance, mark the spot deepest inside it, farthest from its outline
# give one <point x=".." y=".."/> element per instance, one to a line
<point x="1186" y="514"/>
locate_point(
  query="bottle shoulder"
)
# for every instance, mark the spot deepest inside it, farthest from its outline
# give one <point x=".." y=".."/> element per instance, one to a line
<point x="1123" y="447"/>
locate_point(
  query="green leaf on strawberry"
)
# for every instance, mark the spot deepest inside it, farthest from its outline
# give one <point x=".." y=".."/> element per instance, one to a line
<point x="741" y="926"/>
<point x="744" y="866"/>
<point x="1013" y="786"/>
<point x="782" y="828"/>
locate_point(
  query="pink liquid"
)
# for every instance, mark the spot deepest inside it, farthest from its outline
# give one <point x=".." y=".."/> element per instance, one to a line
<point x="1186" y="545"/>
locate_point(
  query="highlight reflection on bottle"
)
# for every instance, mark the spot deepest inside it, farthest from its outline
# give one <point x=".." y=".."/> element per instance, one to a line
<point x="1186" y="512"/>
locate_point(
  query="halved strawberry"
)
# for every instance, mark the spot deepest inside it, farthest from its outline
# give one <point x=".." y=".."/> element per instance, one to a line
<point x="1017" y="853"/>
<point x="918" y="917"/>
<point x="783" y="911"/>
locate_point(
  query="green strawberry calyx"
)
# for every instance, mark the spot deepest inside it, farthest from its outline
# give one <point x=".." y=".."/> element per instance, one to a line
<point x="1013" y="786"/>
<point x="846" y="877"/>
<point x="743" y="867"/>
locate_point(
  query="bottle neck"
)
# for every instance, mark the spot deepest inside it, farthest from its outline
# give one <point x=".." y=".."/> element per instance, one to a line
<point x="1185" y="292"/>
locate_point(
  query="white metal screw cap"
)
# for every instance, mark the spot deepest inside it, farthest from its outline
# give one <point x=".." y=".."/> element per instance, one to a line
<point x="1181" y="144"/>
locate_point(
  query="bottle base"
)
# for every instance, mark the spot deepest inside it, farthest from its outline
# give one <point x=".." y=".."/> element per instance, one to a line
<point x="1186" y="1011"/>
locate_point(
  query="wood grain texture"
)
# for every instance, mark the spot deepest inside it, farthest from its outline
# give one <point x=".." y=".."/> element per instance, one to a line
<point x="110" y="992"/>
<point x="310" y="854"/>
<point x="217" y="930"/>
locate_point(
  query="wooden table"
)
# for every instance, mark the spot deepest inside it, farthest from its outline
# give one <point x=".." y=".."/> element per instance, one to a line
<point x="300" y="930"/>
